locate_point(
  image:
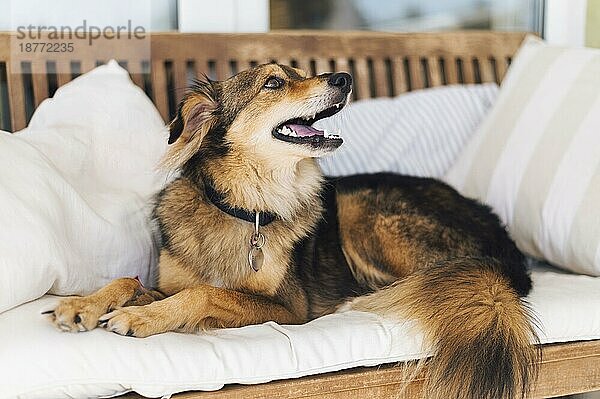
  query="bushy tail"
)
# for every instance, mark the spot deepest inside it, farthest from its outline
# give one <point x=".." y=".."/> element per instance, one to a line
<point x="480" y="329"/>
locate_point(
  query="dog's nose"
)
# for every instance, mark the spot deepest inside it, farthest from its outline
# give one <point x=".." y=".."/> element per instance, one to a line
<point x="342" y="80"/>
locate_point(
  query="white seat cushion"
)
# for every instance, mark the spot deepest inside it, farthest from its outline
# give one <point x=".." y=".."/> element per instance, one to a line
<point x="39" y="361"/>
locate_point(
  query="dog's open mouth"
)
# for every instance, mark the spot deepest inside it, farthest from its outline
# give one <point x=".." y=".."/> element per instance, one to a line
<point x="301" y="131"/>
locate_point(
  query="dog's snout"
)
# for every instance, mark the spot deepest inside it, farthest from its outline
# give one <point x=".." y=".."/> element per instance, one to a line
<point x="342" y="80"/>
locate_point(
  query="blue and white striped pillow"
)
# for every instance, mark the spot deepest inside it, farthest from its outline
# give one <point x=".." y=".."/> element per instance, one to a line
<point x="419" y="133"/>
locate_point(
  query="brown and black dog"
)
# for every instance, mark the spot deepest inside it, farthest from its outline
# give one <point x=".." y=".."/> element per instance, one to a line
<point x="252" y="232"/>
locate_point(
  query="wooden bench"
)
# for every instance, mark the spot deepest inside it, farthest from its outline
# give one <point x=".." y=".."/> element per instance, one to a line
<point x="383" y="64"/>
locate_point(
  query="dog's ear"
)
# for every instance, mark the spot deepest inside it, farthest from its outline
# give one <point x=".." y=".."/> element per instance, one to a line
<point x="195" y="118"/>
<point x="176" y="127"/>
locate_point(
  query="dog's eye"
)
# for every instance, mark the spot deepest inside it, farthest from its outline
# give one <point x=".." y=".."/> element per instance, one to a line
<point x="274" y="83"/>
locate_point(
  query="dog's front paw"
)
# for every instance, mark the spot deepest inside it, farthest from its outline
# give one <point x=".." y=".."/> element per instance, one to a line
<point x="77" y="314"/>
<point x="135" y="321"/>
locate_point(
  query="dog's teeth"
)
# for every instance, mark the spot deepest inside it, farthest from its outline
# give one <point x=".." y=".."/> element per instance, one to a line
<point x="286" y="131"/>
<point x="292" y="133"/>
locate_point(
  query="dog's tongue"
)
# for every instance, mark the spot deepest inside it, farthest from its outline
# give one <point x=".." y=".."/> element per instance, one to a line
<point x="305" y="131"/>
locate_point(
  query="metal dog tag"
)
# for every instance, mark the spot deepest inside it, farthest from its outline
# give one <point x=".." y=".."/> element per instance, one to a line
<point x="255" y="255"/>
<point x="255" y="258"/>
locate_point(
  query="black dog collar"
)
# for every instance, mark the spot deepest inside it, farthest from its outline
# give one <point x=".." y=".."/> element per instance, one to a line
<point x="264" y="218"/>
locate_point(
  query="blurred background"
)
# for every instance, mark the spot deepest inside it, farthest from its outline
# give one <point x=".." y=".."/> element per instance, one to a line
<point x="407" y="15"/>
<point x="574" y="22"/>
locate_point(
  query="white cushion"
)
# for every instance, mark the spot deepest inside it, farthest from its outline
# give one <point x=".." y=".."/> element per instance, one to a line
<point x="536" y="158"/>
<point x="74" y="189"/>
<point x="42" y="362"/>
<point x="418" y="133"/>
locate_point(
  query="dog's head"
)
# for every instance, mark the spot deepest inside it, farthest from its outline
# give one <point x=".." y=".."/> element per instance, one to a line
<point x="263" y="111"/>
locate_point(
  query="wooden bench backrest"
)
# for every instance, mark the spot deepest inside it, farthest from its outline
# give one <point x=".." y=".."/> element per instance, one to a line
<point x="382" y="64"/>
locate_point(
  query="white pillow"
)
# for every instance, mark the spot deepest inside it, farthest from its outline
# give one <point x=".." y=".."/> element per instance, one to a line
<point x="419" y="133"/>
<point x="536" y="158"/>
<point x="75" y="189"/>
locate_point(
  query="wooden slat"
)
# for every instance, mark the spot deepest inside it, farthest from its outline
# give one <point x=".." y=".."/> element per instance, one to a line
<point x="501" y="67"/>
<point x="135" y="71"/>
<point x="399" y="76"/>
<point x="87" y="64"/>
<point x="16" y="94"/>
<point x="322" y="66"/>
<point x="451" y="71"/>
<point x="249" y="63"/>
<point x="285" y="61"/>
<point x="40" y="84"/>
<point x="64" y="78"/>
<point x="435" y="72"/>
<point x="293" y="62"/>
<point x="179" y="79"/>
<point x="566" y="369"/>
<point x="342" y="65"/>
<point x="64" y="74"/>
<point x="262" y="60"/>
<point x="380" y="77"/>
<point x="6" y="123"/>
<point x="361" y="78"/>
<point x="201" y="66"/>
<point x="223" y="71"/>
<point x="195" y="69"/>
<point x="159" y="86"/>
<point x="138" y="79"/>
<point x="416" y="77"/>
<point x="304" y="64"/>
<point x="468" y="70"/>
<point x="486" y="69"/>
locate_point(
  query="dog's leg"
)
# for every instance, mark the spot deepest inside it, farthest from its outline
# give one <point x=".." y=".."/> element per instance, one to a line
<point x="193" y="309"/>
<point x="82" y="313"/>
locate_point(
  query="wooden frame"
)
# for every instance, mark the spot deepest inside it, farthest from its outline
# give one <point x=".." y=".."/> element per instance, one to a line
<point x="566" y="369"/>
<point x="383" y="64"/>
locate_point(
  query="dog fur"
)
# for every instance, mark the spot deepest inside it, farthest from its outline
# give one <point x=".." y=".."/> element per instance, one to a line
<point x="396" y="245"/>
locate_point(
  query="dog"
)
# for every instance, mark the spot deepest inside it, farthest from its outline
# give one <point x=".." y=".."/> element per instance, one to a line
<point x="252" y="232"/>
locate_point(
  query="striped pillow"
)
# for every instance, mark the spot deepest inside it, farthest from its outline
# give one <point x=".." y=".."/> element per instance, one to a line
<point x="536" y="157"/>
<point x="418" y="133"/>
